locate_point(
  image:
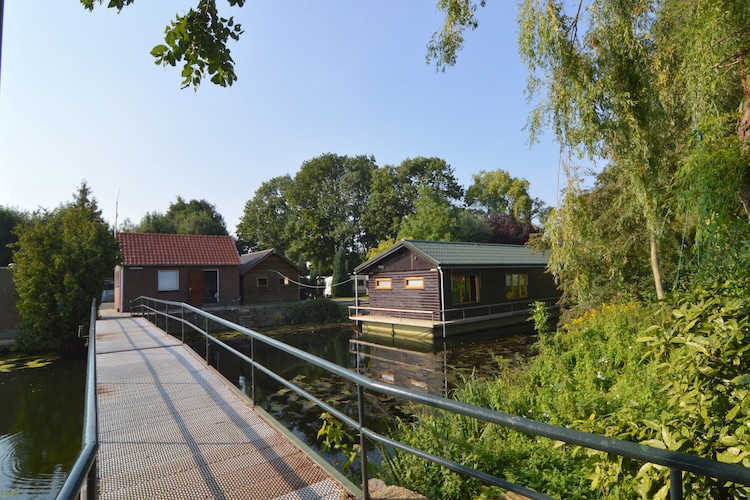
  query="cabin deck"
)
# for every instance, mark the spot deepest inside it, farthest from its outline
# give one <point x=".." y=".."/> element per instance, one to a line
<point x="170" y="427"/>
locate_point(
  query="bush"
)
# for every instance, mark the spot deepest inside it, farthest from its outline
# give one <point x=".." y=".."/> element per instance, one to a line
<point x="700" y="355"/>
<point x="587" y="370"/>
<point x="316" y="311"/>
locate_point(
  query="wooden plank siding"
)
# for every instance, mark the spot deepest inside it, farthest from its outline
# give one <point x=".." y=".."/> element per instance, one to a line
<point x="275" y="291"/>
<point x="399" y="297"/>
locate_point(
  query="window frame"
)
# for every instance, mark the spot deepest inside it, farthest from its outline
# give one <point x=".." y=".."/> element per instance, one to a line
<point x="168" y="280"/>
<point x="261" y="282"/>
<point x="469" y="279"/>
<point x="420" y="286"/>
<point x="380" y="284"/>
<point x="516" y="285"/>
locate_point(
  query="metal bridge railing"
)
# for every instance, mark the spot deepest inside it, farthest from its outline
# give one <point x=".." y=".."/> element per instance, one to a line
<point x="678" y="463"/>
<point x="81" y="480"/>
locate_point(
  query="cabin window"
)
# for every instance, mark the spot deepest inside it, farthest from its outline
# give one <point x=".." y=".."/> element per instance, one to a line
<point x="283" y="281"/>
<point x="516" y="286"/>
<point x="383" y="283"/>
<point x="169" y="281"/>
<point x="262" y="282"/>
<point x="414" y="283"/>
<point x="465" y="289"/>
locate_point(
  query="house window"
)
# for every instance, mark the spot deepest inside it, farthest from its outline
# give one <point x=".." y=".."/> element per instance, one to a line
<point x="414" y="283"/>
<point x="383" y="283"/>
<point x="262" y="282"/>
<point x="516" y="286"/>
<point x="169" y="281"/>
<point x="283" y="281"/>
<point x="465" y="289"/>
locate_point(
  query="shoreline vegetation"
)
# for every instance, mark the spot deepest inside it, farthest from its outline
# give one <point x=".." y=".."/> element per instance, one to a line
<point x="671" y="375"/>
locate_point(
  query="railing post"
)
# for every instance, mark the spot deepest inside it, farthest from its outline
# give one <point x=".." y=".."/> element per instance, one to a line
<point x="182" y="315"/>
<point x="362" y="442"/>
<point x="252" y="369"/>
<point x="206" y="330"/>
<point x="675" y="484"/>
<point x="89" y="490"/>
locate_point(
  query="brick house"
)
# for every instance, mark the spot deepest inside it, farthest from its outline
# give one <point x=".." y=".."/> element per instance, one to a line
<point x="198" y="269"/>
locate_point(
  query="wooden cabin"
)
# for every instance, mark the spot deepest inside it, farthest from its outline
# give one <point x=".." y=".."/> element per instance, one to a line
<point x="267" y="277"/>
<point x="198" y="269"/>
<point x="438" y="288"/>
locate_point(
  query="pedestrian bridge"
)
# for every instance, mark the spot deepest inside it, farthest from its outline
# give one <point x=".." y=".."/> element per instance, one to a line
<point x="171" y="427"/>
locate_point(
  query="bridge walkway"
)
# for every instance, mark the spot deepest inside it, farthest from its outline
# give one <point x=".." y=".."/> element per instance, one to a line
<point x="170" y="427"/>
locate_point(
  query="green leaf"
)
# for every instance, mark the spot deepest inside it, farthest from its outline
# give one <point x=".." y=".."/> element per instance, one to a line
<point x="732" y="455"/>
<point x="654" y="443"/>
<point x="159" y="50"/>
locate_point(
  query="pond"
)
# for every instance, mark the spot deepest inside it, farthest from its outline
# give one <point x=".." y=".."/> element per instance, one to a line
<point x="41" y="418"/>
<point x="434" y="367"/>
<point x="41" y="422"/>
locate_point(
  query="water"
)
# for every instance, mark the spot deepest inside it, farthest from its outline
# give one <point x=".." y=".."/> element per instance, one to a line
<point x="433" y="367"/>
<point x="41" y="423"/>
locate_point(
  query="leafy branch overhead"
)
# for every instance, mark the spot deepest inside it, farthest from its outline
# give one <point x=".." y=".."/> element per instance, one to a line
<point x="198" y="39"/>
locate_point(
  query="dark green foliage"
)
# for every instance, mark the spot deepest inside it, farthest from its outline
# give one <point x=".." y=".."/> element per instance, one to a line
<point x="191" y="217"/>
<point x="328" y="196"/>
<point x="10" y="218"/>
<point x="316" y="311"/>
<point x="268" y="217"/>
<point x="62" y="259"/>
<point x="340" y="275"/>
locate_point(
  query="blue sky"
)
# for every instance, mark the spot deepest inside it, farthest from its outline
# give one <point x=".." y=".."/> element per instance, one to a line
<point x="81" y="99"/>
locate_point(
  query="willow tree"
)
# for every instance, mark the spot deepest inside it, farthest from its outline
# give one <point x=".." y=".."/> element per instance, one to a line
<point x="600" y="94"/>
<point x="704" y="57"/>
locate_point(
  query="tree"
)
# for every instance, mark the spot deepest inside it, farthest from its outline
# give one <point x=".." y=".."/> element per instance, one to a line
<point x="199" y="37"/>
<point x="601" y="95"/>
<point x="61" y="261"/>
<point x="471" y="226"/>
<point x="329" y="194"/>
<point x="434" y="218"/>
<point x="342" y="286"/>
<point x="394" y="192"/>
<point x="155" y="222"/>
<point x="10" y="219"/>
<point x="192" y="217"/>
<point x="506" y="229"/>
<point x="267" y="219"/>
<point x="499" y="192"/>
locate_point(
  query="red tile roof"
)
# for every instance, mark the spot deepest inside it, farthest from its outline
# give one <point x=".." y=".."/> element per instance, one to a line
<point x="146" y="249"/>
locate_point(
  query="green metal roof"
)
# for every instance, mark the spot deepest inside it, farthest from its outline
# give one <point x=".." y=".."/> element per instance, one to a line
<point x="457" y="254"/>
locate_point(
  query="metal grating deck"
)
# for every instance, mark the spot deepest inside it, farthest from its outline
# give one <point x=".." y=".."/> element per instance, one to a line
<point x="170" y="428"/>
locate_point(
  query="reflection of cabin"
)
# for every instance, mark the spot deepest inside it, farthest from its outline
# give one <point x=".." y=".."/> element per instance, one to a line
<point x="267" y="277"/>
<point x="198" y="269"/>
<point x="437" y="288"/>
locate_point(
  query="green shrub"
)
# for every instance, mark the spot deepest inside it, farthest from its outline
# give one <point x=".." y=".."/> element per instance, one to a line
<point x="701" y="355"/>
<point x="316" y="311"/>
<point x="588" y="369"/>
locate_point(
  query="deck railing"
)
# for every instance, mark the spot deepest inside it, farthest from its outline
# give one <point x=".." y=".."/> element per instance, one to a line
<point x="81" y="480"/>
<point x="678" y="463"/>
<point x="453" y="314"/>
<point x="400" y="314"/>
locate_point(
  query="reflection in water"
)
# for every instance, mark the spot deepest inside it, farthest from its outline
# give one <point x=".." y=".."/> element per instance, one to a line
<point x="432" y="367"/>
<point x="40" y="427"/>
